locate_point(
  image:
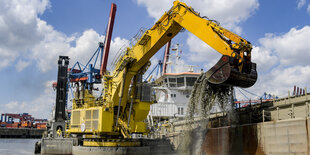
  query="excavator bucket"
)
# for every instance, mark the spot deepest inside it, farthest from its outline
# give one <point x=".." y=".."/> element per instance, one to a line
<point x="226" y="72"/>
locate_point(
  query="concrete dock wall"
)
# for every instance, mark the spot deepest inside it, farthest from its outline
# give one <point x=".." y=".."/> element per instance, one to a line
<point x="290" y="107"/>
<point x="283" y="137"/>
<point x="276" y="138"/>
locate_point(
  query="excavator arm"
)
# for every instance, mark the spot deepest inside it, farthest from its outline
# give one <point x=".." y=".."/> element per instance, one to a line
<point x="170" y="24"/>
<point x="234" y="68"/>
<point x="126" y="99"/>
<point x="181" y="16"/>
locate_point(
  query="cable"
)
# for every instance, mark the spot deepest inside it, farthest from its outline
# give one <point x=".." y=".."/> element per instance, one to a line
<point x="250" y="92"/>
<point x="243" y="94"/>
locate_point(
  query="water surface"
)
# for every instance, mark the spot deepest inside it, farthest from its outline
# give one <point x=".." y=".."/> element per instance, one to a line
<point x="17" y="146"/>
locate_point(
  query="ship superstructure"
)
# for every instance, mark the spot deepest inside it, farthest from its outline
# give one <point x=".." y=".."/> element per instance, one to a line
<point x="173" y="88"/>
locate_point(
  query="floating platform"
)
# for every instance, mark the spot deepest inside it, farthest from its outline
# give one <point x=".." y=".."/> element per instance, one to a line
<point x="147" y="146"/>
<point x="55" y="145"/>
<point x="70" y="146"/>
<point x="21" y="133"/>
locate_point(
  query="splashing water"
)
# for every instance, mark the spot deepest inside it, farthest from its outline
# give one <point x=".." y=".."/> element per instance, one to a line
<point x="204" y="97"/>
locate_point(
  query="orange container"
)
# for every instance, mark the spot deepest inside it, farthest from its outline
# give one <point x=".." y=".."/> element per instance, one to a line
<point x="9" y="125"/>
<point x="15" y="125"/>
<point x="25" y="124"/>
<point x="43" y="125"/>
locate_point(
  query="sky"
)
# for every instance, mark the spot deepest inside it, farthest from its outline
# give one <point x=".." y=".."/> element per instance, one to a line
<point x="33" y="33"/>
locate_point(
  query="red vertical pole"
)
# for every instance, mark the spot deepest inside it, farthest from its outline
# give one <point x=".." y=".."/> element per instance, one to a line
<point x="108" y="37"/>
<point x="166" y="58"/>
<point x="294" y="93"/>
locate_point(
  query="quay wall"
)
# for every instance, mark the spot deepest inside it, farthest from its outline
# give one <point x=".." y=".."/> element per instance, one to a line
<point x="21" y="133"/>
<point x="280" y="137"/>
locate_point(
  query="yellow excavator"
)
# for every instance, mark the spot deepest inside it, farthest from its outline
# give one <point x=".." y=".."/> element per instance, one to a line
<point x="119" y="113"/>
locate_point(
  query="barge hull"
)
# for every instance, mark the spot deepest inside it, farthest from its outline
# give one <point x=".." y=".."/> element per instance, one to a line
<point x="275" y="137"/>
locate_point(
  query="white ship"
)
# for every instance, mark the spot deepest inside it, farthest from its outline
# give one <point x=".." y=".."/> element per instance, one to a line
<point x="173" y="88"/>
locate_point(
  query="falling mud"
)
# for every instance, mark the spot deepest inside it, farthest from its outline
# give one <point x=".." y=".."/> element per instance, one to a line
<point x="205" y="99"/>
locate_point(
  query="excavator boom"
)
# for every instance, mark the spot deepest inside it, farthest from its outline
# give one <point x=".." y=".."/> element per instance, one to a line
<point x="234" y="68"/>
<point x="126" y="99"/>
<point x="222" y="40"/>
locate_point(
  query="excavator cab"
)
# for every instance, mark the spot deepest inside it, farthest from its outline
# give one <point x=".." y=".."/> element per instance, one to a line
<point x="228" y="71"/>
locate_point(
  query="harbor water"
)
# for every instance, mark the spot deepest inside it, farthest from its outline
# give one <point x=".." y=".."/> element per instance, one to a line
<point x="17" y="146"/>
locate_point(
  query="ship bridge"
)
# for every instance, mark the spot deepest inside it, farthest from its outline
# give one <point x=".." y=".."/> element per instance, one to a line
<point x="185" y="80"/>
<point x="173" y="92"/>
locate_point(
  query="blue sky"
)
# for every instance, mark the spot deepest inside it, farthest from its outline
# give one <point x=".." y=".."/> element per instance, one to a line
<point x="35" y="32"/>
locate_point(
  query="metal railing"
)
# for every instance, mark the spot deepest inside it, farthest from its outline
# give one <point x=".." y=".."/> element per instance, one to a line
<point x="121" y="52"/>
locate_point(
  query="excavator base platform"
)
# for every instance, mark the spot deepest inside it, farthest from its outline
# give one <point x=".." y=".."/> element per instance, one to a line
<point x="123" y="146"/>
<point x="112" y="143"/>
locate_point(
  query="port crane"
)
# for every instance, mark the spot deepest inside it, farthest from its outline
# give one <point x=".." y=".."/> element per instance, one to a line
<point x="125" y="102"/>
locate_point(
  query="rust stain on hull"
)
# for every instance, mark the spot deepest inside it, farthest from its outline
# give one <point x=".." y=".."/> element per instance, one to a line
<point x="233" y="140"/>
<point x="275" y="137"/>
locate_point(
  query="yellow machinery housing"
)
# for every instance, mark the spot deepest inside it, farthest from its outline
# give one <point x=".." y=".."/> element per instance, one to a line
<point x="126" y="100"/>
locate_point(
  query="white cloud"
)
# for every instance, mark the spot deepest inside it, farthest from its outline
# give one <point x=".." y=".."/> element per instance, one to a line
<point x="296" y="75"/>
<point x="281" y="80"/>
<point x="228" y="12"/>
<point x="282" y="61"/>
<point x="292" y="48"/>
<point x="300" y="3"/>
<point x="264" y="59"/>
<point x="24" y="34"/>
<point x="18" y="27"/>
<point x="156" y="8"/>
<point x="7" y="56"/>
<point x="56" y="43"/>
<point x="86" y="45"/>
<point x="21" y="65"/>
<point x="201" y="52"/>
<point x="39" y="107"/>
<point x="308" y="9"/>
